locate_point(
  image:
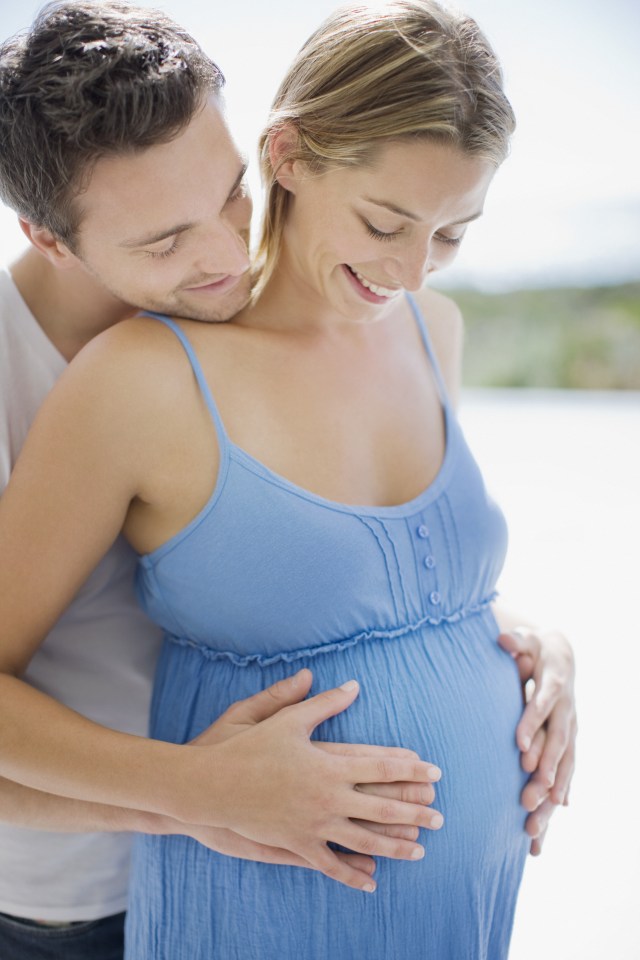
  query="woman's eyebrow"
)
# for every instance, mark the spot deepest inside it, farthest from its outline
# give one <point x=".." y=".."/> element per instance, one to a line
<point x="394" y="208"/>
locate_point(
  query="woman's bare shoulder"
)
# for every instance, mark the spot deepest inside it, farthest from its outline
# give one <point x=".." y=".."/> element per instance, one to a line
<point x="446" y="329"/>
<point x="136" y="359"/>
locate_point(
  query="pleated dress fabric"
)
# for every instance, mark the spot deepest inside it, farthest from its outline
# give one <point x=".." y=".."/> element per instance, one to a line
<point x="270" y="578"/>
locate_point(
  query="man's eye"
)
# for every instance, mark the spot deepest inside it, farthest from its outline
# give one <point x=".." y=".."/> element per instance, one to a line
<point x="240" y="192"/>
<point x="160" y="254"/>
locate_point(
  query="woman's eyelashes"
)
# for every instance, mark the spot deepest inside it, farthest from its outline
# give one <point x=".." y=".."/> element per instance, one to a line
<point x="450" y="241"/>
<point x="380" y="234"/>
<point x="386" y="237"/>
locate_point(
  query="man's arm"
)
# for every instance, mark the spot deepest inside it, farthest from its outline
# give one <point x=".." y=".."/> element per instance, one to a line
<point x="546" y="734"/>
<point x="34" y="809"/>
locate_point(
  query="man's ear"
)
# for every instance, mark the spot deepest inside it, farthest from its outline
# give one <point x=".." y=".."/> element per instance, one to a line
<point x="51" y="247"/>
<point x="283" y="149"/>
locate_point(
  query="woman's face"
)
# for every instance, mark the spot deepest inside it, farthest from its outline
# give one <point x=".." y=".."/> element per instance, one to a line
<point x="357" y="236"/>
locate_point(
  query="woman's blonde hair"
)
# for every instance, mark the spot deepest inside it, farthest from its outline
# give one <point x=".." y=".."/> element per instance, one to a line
<point x="375" y="72"/>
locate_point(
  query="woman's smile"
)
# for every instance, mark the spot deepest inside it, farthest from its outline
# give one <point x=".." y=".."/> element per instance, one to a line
<point x="369" y="291"/>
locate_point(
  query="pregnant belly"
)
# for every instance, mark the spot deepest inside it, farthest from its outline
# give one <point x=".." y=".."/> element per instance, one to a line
<point x="452" y="695"/>
<point x="449" y="693"/>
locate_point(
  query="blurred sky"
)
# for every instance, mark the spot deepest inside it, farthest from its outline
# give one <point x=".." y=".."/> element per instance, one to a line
<point x="565" y="207"/>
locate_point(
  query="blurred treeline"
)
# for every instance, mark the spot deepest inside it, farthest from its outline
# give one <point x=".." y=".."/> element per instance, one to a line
<point x="585" y="338"/>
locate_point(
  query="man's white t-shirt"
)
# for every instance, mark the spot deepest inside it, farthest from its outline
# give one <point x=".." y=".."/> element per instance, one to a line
<point x="98" y="659"/>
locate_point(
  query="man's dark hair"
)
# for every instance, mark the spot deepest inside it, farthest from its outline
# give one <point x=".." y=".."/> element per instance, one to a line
<point x="90" y="80"/>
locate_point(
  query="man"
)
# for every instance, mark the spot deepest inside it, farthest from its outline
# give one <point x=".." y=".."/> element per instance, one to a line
<point x="131" y="194"/>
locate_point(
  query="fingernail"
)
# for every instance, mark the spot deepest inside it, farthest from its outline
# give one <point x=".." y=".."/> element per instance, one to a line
<point x="369" y="887"/>
<point x="434" y="773"/>
<point x="418" y="853"/>
<point x="349" y="685"/>
<point x="436" y="821"/>
<point x="526" y="743"/>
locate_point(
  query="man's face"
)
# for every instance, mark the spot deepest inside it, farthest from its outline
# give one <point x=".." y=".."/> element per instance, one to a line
<point x="167" y="228"/>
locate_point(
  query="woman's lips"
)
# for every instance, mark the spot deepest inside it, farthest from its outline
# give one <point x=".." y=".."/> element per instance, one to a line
<point x="365" y="292"/>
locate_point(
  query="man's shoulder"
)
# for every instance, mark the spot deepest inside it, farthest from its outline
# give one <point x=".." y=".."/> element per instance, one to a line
<point x="12" y="306"/>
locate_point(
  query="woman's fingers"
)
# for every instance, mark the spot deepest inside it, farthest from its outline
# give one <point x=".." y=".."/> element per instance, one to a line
<point x="390" y="770"/>
<point x="329" y="703"/>
<point x="400" y="831"/>
<point x="358" y="838"/>
<point x="364" y="750"/>
<point x="269" y="701"/>
<point x="384" y="810"/>
<point x="357" y="861"/>
<point x="407" y="792"/>
<point x="252" y="710"/>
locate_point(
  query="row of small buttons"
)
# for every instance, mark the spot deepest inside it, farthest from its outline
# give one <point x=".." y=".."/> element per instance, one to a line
<point x="429" y="562"/>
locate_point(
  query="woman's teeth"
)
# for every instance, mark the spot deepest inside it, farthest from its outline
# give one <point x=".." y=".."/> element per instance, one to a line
<point x="379" y="291"/>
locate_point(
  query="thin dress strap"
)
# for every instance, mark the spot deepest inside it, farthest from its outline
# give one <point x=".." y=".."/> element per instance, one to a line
<point x="426" y="339"/>
<point x="199" y="375"/>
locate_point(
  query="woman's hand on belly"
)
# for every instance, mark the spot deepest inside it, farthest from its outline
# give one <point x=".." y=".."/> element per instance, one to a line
<point x="276" y="787"/>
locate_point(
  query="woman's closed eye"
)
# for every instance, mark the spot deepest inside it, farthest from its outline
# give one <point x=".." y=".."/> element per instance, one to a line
<point x="450" y="241"/>
<point x="380" y="234"/>
<point x="391" y="235"/>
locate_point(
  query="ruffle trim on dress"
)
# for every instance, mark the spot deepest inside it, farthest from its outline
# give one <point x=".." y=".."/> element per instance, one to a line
<point x="290" y="656"/>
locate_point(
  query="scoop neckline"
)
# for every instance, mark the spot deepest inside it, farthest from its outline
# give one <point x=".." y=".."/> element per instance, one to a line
<point x="398" y="511"/>
<point x="407" y="508"/>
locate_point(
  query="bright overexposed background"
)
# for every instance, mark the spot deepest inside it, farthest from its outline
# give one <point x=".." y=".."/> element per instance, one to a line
<point x="565" y="209"/>
<point x="565" y="467"/>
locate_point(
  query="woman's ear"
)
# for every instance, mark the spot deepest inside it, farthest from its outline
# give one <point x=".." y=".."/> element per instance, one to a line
<point x="48" y="245"/>
<point x="283" y="149"/>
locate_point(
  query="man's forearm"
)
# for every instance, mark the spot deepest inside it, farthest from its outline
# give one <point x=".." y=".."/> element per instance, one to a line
<point x="23" y="806"/>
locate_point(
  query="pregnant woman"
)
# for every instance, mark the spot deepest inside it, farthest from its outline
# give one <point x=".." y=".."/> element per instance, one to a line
<point x="348" y="530"/>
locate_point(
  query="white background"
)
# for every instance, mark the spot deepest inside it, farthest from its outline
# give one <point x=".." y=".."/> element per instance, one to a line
<point x="565" y="467"/>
